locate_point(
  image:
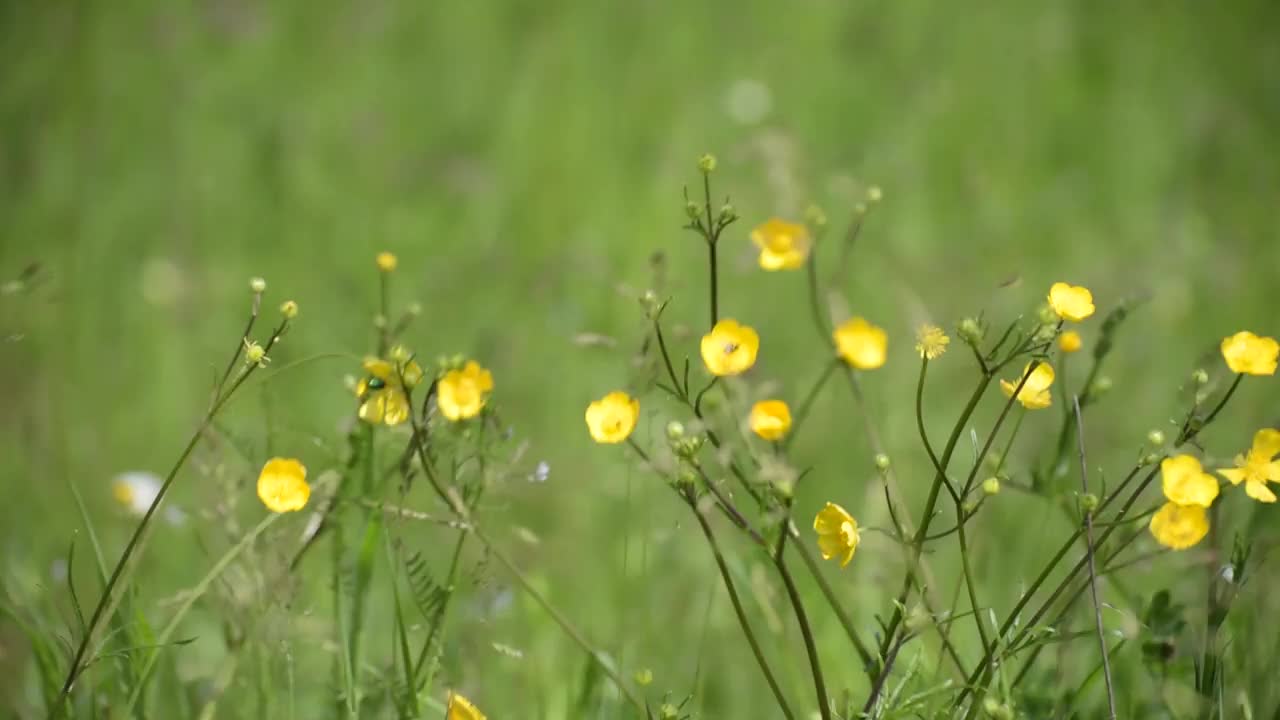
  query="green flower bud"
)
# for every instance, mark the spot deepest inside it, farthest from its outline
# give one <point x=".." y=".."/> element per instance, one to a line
<point x="668" y="712"/>
<point x="815" y="216"/>
<point x="644" y="677"/>
<point x="1100" y="387"/>
<point x="707" y="163"/>
<point x="1156" y="438"/>
<point x="970" y="331"/>
<point x="1200" y="377"/>
<point x="991" y="485"/>
<point x="727" y="214"/>
<point x="675" y="430"/>
<point x="874" y="194"/>
<point x="1047" y="315"/>
<point x="1089" y="502"/>
<point x="968" y="507"/>
<point x="692" y="210"/>
<point x="1150" y="459"/>
<point x="882" y="462"/>
<point x="258" y="285"/>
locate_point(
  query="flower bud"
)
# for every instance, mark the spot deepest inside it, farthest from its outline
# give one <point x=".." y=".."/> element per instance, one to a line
<point x="350" y="382"/>
<point x="258" y="285"/>
<point x="995" y="459"/>
<point x="379" y="321"/>
<point x="860" y="209"/>
<point x="400" y="353"/>
<point x="991" y="485"/>
<point x="970" y="331"/>
<point x="727" y="214"/>
<point x="693" y="211"/>
<point x="414" y="309"/>
<point x="686" y="476"/>
<point x="668" y="712"/>
<point x="1156" y="438"/>
<point x="707" y="163"/>
<point x="815" y="216"/>
<point x="882" y="462"/>
<point x="1200" y="377"/>
<point x="996" y="710"/>
<point x="1150" y="459"/>
<point x="1046" y="315"/>
<point x="874" y="194"/>
<point x="644" y="677"/>
<point x="289" y="309"/>
<point x="1100" y="387"/>
<point x="1089" y="502"/>
<point x="968" y="507"/>
<point x="918" y="619"/>
<point x="651" y="304"/>
<point x="386" y="261"/>
<point x="675" y="430"/>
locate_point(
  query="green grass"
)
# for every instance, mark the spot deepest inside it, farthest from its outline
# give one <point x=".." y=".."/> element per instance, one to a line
<point x="525" y="160"/>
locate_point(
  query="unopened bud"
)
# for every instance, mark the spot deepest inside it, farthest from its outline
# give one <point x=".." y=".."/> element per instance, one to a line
<point x="995" y="459"/>
<point x="815" y="216"/>
<point x="918" y="619"/>
<point x="692" y="210"/>
<point x="882" y="462"/>
<point x="874" y="194"/>
<point x="1047" y="315"/>
<point x="668" y="712"/>
<point x="727" y="213"/>
<point x="644" y="677"/>
<point x="1089" y="502"/>
<point x="707" y="163"/>
<point x="970" y="331"/>
<point x="1100" y="387"/>
<point x="1200" y="377"/>
<point x="380" y="321"/>
<point x="415" y="308"/>
<point x="289" y="309"/>
<point x="258" y="285"/>
<point x="675" y="430"/>
<point x="1156" y="438"/>
<point x="996" y="710"/>
<point x="968" y="507"/>
<point x="991" y="485"/>
<point x="1150" y="459"/>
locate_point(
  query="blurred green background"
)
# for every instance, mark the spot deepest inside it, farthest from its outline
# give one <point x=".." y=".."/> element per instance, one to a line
<point x="525" y="160"/>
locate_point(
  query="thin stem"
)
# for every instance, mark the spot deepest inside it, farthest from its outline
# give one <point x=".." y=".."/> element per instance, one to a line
<point x="1089" y="553"/>
<point x="810" y="646"/>
<point x="108" y="601"/>
<point x="741" y="614"/>
<point x="924" y="436"/>
<point x="560" y="619"/>
<point x="802" y="413"/>
<point x="971" y="588"/>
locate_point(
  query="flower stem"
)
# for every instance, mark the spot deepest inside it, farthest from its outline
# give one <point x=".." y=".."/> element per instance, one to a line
<point x="741" y="614"/>
<point x="1093" y="571"/>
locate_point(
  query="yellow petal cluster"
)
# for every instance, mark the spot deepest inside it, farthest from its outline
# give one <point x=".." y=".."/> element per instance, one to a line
<point x="837" y="533"/>
<point x="861" y="344"/>
<point x="1185" y="482"/>
<point x="1071" y="302"/>
<point x="1035" y="394"/>
<point x="1179" y="527"/>
<point x="282" y="485"/>
<point x="382" y="391"/>
<point x="730" y="348"/>
<point x="462" y="394"/>
<point x="1069" y="341"/>
<point x="783" y="245"/>
<point x="612" y="418"/>
<point x="931" y="342"/>
<point x="460" y="708"/>
<point x="1250" y="354"/>
<point x="1258" y="467"/>
<point x="1182" y="521"/>
<point x="770" y="419"/>
<point x="386" y="261"/>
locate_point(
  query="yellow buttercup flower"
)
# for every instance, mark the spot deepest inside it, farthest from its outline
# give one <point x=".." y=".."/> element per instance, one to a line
<point x="1179" y="526"/>
<point x="1071" y="302"/>
<point x="931" y="342"/>
<point x="783" y="245"/>
<point x="1258" y="467"/>
<point x="461" y="394"/>
<point x="1250" y="354"/>
<point x="282" y="485"/>
<point x="612" y="418"/>
<point x="861" y="344"/>
<point x="1069" y="341"/>
<point x="461" y="708"/>
<point x="770" y="419"/>
<point x="837" y="533"/>
<point x="1035" y="393"/>
<point x="730" y="348"/>
<point x="1186" y="483"/>
<point x="382" y="391"/>
<point x="386" y="261"/>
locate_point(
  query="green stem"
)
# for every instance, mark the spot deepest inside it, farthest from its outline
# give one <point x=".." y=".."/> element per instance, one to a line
<point x="802" y="413"/>
<point x="741" y="614"/>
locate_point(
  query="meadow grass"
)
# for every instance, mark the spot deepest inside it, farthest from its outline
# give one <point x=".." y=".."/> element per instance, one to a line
<point x="525" y="161"/>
